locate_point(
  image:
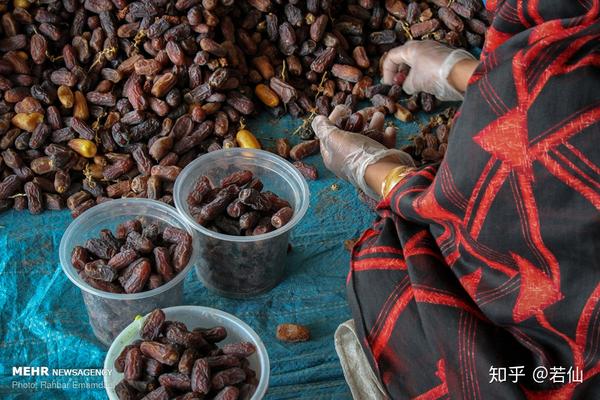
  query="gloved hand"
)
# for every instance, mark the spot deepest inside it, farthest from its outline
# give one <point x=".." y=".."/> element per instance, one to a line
<point x="349" y="154"/>
<point x="431" y="63"/>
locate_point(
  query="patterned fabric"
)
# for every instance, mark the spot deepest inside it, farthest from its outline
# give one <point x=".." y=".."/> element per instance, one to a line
<point x="490" y="261"/>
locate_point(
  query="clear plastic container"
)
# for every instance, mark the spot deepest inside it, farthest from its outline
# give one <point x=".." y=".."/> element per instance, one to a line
<point x="108" y="312"/>
<point x="195" y="317"/>
<point x="243" y="266"/>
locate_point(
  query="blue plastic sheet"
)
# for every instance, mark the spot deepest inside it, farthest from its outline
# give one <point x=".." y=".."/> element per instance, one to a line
<point x="44" y="321"/>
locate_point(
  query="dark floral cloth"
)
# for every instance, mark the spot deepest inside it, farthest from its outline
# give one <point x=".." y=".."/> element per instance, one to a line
<point x="483" y="272"/>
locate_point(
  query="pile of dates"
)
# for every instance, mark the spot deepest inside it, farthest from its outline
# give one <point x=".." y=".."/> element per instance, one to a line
<point x="238" y="206"/>
<point x="105" y="99"/>
<point x="428" y="146"/>
<point x="298" y="152"/>
<point x="369" y="121"/>
<point x="172" y="362"/>
<point x="137" y="257"/>
<point x="432" y="141"/>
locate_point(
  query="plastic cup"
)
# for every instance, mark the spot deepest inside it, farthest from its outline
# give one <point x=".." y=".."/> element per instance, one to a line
<point x="194" y="317"/>
<point x="108" y="312"/>
<point x="243" y="266"/>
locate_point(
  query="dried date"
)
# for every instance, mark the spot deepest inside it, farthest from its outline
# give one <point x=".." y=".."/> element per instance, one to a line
<point x="241" y="349"/>
<point x="201" y="378"/>
<point x="308" y="171"/>
<point x="115" y="259"/>
<point x="282" y="217"/>
<point x="304" y="149"/>
<point x="163" y="353"/>
<point x="133" y="364"/>
<point x="99" y="270"/>
<point x="219" y="204"/>
<point x="228" y="393"/>
<point x="254" y="199"/>
<point x="238" y="178"/>
<point x="292" y="333"/>
<point x="152" y="326"/>
<point x="175" y="381"/>
<point x="231" y="376"/>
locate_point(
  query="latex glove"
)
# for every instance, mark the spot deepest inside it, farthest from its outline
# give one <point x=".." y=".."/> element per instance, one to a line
<point x="431" y="63"/>
<point x="349" y="154"/>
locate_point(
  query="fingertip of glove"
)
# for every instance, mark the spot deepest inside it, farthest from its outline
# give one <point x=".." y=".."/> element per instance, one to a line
<point x="387" y="80"/>
<point x="319" y="121"/>
<point x="408" y="87"/>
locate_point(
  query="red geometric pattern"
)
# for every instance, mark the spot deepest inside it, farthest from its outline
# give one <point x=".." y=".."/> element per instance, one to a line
<point x="494" y="262"/>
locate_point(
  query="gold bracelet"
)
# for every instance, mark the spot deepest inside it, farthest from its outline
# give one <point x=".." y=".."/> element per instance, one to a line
<point x="393" y="177"/>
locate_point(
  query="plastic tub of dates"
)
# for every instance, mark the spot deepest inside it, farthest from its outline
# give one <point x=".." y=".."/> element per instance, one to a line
<point x="189" y="351"/>
<point x="128" y="257"/>
<point x="243" y="203"/>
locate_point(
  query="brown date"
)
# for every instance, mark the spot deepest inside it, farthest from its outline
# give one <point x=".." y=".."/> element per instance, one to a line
<point x="133" y="364"/>
<point x="201" y="187"/>
<point x="228" y="393"/>
<point x="292" y="333"/>
<point x="152" y="325"/>
<point x="282" y="217"/>
<point x="181" y="256"/>
<point x="163" y="353"/>
<point x="304" y="149"/>
<point x="187" y="360"/>
<point x="99" y="270"/>
<point x="139" y="275"/>
<point x="254" y="199"/>
<point x="79" y="257"/>
<point x="34" y="198"/>
<point x="120" y="360"/>
<point x="283" y="147"/>
<point x="249" y="220"/>
<point x="201" y="379"/>
<point x="227" y="377"/>
<point x="219" y="204"/>
<point x="163" y="263"/>
<point x="241" y="349"/>
<point x="123" y="259"/>
<point x="175" y="381"/>
<point x="238" y="178"/>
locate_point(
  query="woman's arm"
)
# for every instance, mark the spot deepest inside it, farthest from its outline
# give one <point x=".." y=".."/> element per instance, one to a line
<point x="458" y="78"/>
<point x="349" y="154"/>
<point x="461" y="74"/>
<point x="375" y="174"/>
<point x="435" y="69"/>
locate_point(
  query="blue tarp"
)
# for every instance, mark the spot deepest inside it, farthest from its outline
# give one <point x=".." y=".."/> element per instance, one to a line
<point x="44" y="321"/>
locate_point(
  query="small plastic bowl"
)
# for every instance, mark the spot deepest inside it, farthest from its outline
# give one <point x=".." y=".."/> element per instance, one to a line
<point x="243" y="266"/>
<point x="194" y="317"/>
<point x="108" y="312"/>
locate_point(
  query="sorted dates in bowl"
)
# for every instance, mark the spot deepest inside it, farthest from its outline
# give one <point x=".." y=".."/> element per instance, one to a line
<point x="128" y="257"/>
<point x="237" y="206"/>
<point x="244" y="223"/>
<point x="188" y="351"/>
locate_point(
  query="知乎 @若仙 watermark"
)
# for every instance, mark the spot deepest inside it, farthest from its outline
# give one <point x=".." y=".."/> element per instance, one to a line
<point x="539" y="374"/>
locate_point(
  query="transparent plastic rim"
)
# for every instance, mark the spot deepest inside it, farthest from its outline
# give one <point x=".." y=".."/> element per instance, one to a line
<point x="70" y="271"/>
<point x="299" y="181"/>
<point x="261" y="350"/>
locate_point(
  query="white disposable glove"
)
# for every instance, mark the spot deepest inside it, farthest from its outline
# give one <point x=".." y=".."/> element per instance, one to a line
<point x="349" y="154"/>
<point x="431" y="63"/>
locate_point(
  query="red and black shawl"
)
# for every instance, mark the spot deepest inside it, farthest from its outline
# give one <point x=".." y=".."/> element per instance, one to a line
<point x="490" y="262"/>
